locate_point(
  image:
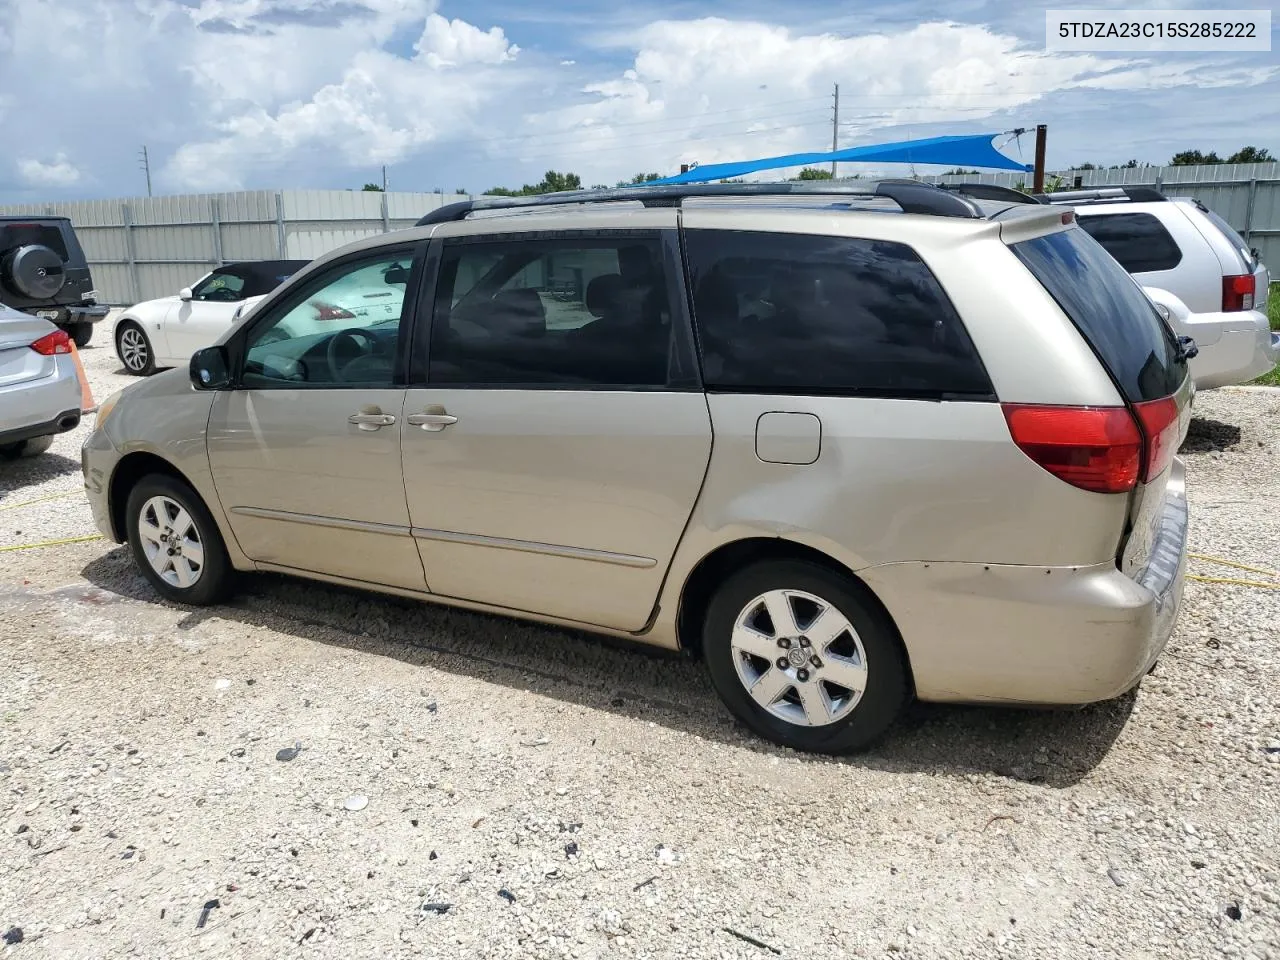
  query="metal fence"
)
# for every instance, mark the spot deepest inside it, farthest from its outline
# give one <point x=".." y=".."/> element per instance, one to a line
<point x="146" y="247"/>
<point x="1246" y="195"/>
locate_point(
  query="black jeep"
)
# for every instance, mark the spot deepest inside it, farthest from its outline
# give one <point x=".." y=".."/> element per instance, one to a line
<point x="43" y="271"/>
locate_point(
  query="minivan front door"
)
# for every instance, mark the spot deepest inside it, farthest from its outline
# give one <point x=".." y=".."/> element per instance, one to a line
<point x="305" y="452"/>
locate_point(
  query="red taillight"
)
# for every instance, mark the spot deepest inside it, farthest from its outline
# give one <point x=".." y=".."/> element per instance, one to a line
<point x="1238" y="293"/>
<point x="56" y="342"/>
<point x="1093" y="448"/>
<point x="1159" y="420"/>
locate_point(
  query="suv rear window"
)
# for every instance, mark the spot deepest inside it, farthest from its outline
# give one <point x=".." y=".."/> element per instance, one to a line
<point x="24" y="234"/>
<point x="1110" y="311"/>
<point x="1232" y="236"/>
<point x="1139" y="241"/>
<point x="794" y="313"/>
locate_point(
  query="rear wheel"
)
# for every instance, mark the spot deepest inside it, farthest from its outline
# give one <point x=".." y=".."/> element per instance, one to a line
<point x="176" y="543"/>
<point x="81" y="333"/>
<point x="26" y="448"/>
<point x="134" y="349"/>
<point x="804" y="657"/>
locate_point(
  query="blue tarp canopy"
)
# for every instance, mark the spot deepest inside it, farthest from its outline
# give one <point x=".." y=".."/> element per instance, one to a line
<point x="974" y="150"/>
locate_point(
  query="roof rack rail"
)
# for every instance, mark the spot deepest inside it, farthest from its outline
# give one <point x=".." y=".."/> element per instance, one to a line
<point x="990" y="191"/>
<point x="1107" y="194"/>
<point x="912" y="196"/>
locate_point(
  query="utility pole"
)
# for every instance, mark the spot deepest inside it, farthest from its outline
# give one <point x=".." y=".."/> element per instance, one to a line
<point x="1037" y="178"/>
<point x="384" y="178"/>
<point x="146" y="167"/>
<point x="835" y="129"/>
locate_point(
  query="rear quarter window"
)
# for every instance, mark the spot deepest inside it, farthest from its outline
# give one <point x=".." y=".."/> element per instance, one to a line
<point x="1138" y="241"/>
<point x="1110" y="311"/>
<point x="795" y="313"/>
<point x="25" y="234"/>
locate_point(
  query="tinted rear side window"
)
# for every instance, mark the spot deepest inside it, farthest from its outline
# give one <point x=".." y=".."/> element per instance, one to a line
<point x="25" y="234"/>
<point x="1110" y="311"/>
<point x="791" y="313"/>
<point x="1139" y="241"/>
<point x="1233" y="238"/>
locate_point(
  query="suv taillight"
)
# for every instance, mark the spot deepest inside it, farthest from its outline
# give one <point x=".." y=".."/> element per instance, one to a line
<point x="49" y="344"/>
<point x="1238" y="293"/>
<point x="1093" y="448"/>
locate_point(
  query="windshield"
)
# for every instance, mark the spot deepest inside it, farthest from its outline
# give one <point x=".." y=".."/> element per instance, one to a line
<point x="219" y="287"/>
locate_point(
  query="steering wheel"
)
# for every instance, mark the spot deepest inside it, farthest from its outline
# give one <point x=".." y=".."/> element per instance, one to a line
<point x="360" y="339"/>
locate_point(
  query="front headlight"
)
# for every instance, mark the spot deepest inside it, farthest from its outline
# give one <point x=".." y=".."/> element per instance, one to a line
<point x="105" y="408"/>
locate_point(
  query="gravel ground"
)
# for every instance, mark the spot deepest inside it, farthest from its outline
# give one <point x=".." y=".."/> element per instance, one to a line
<point x="571" y="798"/>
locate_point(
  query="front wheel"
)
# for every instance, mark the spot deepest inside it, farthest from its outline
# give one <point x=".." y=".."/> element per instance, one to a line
<point x="176" y="543"/>
<point x="804" y="658"/>
<point x="134" y="350"/>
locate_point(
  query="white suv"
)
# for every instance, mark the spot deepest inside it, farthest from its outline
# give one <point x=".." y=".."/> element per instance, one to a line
<point x="1201" y="274"/>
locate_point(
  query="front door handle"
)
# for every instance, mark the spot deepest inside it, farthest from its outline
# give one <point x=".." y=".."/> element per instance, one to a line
<point x="433" y="418"/>
<point x="371" y="418"/>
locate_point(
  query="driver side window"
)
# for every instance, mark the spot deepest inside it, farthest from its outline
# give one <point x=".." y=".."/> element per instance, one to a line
<point x="343" y="332"/>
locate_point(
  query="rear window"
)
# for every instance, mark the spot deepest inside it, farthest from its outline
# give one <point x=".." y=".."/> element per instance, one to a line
<point x="1110" y="311"/>
<point x="1232" y="236"/>
<point x="1138" y="241"/>
<point x="25" y="234"/>
<point x="793" y="313"/>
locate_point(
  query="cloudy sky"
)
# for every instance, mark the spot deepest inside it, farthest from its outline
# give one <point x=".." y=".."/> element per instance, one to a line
<point x="231" y="94"/>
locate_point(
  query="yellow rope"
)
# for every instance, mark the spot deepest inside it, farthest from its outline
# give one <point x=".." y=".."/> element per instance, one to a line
<point x="52" y="543"/>
<point x="1232" y="563"/>
<point x="1243" y="583"/>
<point x="28" y="503"/>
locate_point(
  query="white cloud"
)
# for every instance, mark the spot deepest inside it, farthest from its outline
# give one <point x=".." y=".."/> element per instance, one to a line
<point x="60" y="172"/>
<point x="319" y="93"/>
<point x="451" y="43"/>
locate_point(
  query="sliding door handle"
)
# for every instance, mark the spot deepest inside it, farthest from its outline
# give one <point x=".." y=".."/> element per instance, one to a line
<point x="432" y="420"/>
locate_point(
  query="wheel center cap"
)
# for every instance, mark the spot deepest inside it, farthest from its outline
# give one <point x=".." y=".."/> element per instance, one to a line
<point x="797" y="656"/>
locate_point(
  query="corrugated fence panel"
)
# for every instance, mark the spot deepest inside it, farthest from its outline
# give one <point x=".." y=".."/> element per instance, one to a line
<point x="248" y="241"/>
<point x="179" y="230"/>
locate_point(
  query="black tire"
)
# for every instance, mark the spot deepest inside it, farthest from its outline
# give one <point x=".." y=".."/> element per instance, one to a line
<point x="81" y="334"/>
<point x="26" y="448"/>
<point x="886" y="687"/>
<point x="130" y="337"/>
<point x="216" y="576"/>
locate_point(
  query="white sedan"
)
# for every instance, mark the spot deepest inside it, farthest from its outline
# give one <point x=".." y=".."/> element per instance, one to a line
<point x="166" y="332"/>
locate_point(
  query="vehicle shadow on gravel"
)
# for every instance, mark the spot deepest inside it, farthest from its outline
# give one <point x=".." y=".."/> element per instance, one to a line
<point x="28" y="471"/>
<point x="1206" y="436"/>
<point x="1051" y="748"/>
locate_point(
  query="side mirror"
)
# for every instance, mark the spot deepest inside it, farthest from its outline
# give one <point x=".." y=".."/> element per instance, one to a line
<point x="211" y="368"/>
<point x="184" y="293"/>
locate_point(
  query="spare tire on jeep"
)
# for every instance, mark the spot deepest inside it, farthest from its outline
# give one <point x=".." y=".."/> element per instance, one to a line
<point x="34" y="271"/>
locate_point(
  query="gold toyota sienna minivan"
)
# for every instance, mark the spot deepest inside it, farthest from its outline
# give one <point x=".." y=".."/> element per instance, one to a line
<point x="848" y="444"/>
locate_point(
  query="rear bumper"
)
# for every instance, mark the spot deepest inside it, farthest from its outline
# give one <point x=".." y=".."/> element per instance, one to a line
<point x="1234" y="348"/>
<point x="67" y="420"/>
<point x="38" y="408"/>
<point x="1038" y="635"/>
<point x="68" y="313"/>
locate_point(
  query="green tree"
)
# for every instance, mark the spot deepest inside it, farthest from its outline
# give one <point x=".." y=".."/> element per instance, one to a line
<point x="371" y="188"/>
<point x="813" y="173"/>
<point x="640" y="178"/>
<point x="1190" y="158"/>
<point x="552" y="182"/>
<point x="1086" y="166"/>
<point x="960" y="172"/>
<point x="1251" y="155"/>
